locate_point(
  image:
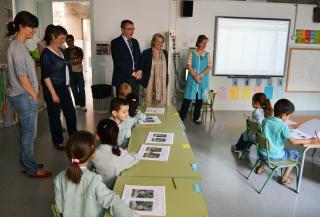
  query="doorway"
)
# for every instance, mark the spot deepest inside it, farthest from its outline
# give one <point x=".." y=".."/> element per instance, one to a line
<point x="75" y="17"/>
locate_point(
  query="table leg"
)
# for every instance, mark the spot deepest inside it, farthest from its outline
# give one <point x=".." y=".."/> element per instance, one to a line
<point x="301" y="169"/>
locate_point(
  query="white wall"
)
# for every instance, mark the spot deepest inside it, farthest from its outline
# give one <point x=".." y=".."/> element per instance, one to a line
<point x="151" y="16"/>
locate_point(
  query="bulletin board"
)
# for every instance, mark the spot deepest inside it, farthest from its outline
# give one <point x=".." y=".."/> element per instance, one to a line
<point x="303" y="70"/>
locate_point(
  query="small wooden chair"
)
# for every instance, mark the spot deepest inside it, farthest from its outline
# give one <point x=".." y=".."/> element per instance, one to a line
<point x="251" y="127"/>
<point x="206" y="105"/>
<point x="55" y="211"/>
<point x="273" y="165"/>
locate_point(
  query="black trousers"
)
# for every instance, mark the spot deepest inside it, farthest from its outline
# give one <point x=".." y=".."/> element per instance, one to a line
<point x="54" y="110"/>
<point x="185" y="107"/>
<point x="77" y="86"/>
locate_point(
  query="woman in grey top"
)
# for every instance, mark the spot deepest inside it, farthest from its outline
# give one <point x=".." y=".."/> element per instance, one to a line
<point x="23" y="89"/>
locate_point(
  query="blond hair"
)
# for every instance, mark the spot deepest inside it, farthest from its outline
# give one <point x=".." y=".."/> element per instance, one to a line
<point x="124" y="90"/>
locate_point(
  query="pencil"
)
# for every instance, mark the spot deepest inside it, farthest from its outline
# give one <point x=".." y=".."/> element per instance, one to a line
<point x="174" y="184"/>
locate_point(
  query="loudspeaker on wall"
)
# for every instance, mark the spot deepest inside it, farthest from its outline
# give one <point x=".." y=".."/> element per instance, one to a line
<point x="186" y="8"/>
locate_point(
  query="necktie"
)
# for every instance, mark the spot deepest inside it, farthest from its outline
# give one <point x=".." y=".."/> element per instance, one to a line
<point x="130" y="44"/>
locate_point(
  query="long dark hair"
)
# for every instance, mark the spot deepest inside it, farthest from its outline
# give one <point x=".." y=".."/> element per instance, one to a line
<point x="80" y="147"/>
<point x="264" y="102"/>
<point x="23" y="18"/>
<point x="108" y="131"/>
<point x="133" y="101"/>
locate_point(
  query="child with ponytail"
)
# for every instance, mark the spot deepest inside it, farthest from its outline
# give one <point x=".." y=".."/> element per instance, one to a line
<point x="80" y="192"/>
<point x="110" y="159"/>
<point x="262" y="109"/>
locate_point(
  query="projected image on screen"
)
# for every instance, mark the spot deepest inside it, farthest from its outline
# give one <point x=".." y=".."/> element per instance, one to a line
<point x="250" y="46"/>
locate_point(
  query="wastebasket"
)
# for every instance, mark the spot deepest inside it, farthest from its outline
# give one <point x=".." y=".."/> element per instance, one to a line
<point x="102" y="95"/>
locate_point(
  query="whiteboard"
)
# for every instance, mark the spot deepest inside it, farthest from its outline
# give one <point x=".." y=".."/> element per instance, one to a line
<point x="303" y="70"/>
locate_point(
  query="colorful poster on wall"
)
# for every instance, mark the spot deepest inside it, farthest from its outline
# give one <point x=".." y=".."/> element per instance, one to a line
<point x="268" y="91"/>
<point x="304" y="36"/>
<point x="246" y="93"/>
<point x="257" y="89"/>
<point x="234" y="93"/>
<point x="270" y="82"/>
<point x="222" y="93"/>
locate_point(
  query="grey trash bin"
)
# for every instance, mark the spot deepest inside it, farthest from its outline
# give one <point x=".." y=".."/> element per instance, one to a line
<point x="102" y="95"/>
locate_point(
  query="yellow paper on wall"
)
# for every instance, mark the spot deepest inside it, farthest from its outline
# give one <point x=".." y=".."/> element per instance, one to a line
<point x="246" y="93"/>
<point x="234" y="93"/>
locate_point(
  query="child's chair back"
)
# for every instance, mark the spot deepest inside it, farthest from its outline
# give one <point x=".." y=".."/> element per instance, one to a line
<point x="263" y="143"/>
<point x="55" y="211"/>
<point x="253" y="126"/>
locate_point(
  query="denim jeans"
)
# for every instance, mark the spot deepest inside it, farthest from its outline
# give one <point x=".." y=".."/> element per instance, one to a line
<point x="28" y="115"/>
<point x="77" y="87"/>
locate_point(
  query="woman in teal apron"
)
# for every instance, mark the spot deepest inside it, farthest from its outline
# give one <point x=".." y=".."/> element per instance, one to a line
<point x="199" y="64"/>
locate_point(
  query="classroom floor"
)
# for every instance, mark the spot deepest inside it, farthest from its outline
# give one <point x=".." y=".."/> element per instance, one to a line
<point x="228" y="193"/>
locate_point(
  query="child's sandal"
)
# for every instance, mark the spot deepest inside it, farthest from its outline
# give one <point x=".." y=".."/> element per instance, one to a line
<point x="259" y="170"/>
<point x="287" y="181"/>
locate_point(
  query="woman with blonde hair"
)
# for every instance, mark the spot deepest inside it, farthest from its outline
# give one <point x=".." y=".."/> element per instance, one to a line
<point x="154" y="65"/>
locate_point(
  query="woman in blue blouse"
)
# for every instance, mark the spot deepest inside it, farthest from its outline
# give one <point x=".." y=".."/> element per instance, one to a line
<point x="55" y="83"/>
<point x="199" y="64"/>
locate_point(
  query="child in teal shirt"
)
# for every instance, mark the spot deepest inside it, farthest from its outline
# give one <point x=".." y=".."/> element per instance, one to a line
<point x="277" y="132"/>
<point x="119" y="109"/>
<point x="135" y="113"/>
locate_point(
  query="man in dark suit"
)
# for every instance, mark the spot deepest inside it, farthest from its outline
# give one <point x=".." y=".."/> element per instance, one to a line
<point x="126" y="54"/>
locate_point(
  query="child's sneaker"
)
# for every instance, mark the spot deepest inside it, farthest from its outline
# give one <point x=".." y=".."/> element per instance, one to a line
<point x="234" y="149"/>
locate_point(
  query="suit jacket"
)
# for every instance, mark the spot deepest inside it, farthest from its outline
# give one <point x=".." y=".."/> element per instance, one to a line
<point x="146" y="64"/>
<point x="122" y="61"/>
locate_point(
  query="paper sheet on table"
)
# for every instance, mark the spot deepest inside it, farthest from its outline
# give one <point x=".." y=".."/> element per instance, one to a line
<point x="150" y="110"/>
<point x="290" y="122"/>
<point x="160" y="138"/>
<point x="150" y="120"/>
<point x="298" y="134"/>
<point x="145" y="200"/>
<point x="154" y="152"/>
<point x="310" y="127"/>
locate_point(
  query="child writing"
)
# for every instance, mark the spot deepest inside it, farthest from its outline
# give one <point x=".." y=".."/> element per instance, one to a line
<point x="119" y="109"/>
<point x="135" y="113"/>
<point x="277" y="132"/>
<point x="80" y="192"/>
<point x="262" y="108"/>
<point x="110" y="159"/>
<point x="124" y="90"/>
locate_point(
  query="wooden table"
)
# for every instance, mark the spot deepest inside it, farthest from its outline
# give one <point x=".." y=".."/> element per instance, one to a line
<point x="181" y="198"/>
<point x="180" y="159"/>
<point x="300" y="120"/>
<point x="170" y="119"/>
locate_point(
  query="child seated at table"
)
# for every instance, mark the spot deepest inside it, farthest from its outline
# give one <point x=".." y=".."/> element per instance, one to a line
<point x="135" y="113"/>
<point x="119" y="109"/>
<point x="277" y="132"/>
<point x="110" y="159"/>
<point x="262" y="108"/>
<point x="124" y="90"/>
<point x="80" y="192"/>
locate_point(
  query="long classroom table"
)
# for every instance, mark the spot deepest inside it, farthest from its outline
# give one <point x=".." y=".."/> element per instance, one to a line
<point x="170" y="119"/>
<point x="300" y="120"/>
<point x="182" y="200"/>
<point x="181" y="162"/>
